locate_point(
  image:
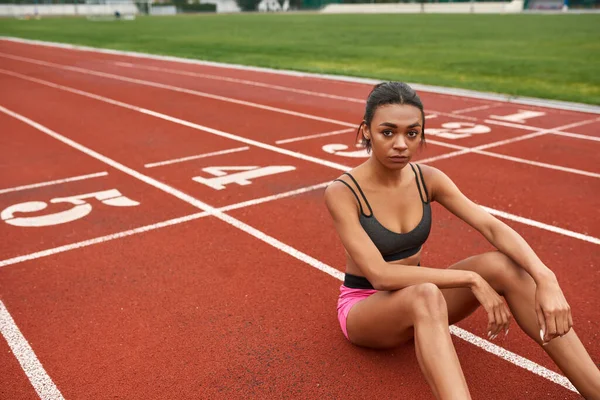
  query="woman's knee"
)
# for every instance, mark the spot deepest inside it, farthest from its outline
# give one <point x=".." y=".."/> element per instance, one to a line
<point x="503" y="271"/>
<point x="428" y="302"/>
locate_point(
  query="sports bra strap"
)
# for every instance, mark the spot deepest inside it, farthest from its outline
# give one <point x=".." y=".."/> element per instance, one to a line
<point x="423" y="181"/>
<point x="353" y="192"/>
<point x="419" y="185"/>
<point x="361" y="193"/>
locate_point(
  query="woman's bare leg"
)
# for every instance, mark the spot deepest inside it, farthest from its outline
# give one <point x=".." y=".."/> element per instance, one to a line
<point x="387" y="319"/>
<point x="518" y="288"/>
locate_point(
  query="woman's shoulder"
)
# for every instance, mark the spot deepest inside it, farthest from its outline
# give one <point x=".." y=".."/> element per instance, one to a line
<point x="340" y="190"/>
<point x="431" y="173"/>
<point x="435" y="179"/>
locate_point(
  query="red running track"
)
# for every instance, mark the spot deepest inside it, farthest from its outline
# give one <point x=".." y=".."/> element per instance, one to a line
<point x="202" y="309"/>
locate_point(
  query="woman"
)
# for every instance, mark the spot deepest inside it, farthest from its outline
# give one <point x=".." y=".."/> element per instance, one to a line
<point x="381" y="211"/>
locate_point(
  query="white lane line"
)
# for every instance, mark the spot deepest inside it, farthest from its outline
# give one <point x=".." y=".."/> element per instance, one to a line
<point x="541" y="225"/>
<point x="539" y="370"/>
<point x="266" y="146"/>
<point x="318" y="135"/>
<point x="180" y="195"/>
<point x="477" y="108"/>
<point x="512" y="358"/>
<point x="576" y="135"/>
<point x="176" y="89"/>
<point x="336" y="79"/>
<point x="506" y="141"/>
<point x="510" y="125"/>
<point x="337" y="166"/>
<point x="238" y="81"/>
<point x="56" y="182"/>
<point x="151" y="227"/>
<point x="241" y="102"/>
<point x="209" y="95"/>
<point x="266" y="85"/>
<point x="196" y="157"/>
<point x="37" y="375"/>
<point x="516" y="159"/>
<point x="467" y="150"/>
<point x="101" y="239"/>
<point x="183" y="122"/>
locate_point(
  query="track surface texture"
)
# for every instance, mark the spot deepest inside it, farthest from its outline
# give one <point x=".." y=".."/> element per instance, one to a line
<point x="132" y="264"/>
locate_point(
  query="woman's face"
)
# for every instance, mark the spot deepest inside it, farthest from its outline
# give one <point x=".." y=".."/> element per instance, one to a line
<point x="395" y="132"/>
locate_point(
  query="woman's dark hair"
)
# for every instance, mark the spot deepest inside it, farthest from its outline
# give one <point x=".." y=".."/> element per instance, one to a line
<point x="389" y="93"/>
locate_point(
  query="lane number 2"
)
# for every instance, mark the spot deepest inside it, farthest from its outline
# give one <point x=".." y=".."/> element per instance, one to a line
<point x="80" y="209"/>
<point x="458" y="130"/>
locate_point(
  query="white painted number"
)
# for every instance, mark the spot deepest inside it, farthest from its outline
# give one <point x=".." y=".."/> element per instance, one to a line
<point x="338" y="150"/>
<point x="222" y="177"/>
<point x="81" y="208"/>
<point x="520" y="118"/>
<point x="458" y="130"/>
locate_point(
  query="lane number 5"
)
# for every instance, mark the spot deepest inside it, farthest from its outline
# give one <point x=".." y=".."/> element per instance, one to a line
<point x="80" y="209"/>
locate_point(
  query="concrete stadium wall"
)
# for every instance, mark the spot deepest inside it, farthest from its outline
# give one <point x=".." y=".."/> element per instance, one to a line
<point x="514" y="6"/>
<point x="162" y="10"/>
<point x="10" y="10"/>
<point x="223" y="6"/>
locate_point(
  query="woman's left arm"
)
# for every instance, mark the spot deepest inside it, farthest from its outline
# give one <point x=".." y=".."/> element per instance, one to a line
<point x="553" y="311"/>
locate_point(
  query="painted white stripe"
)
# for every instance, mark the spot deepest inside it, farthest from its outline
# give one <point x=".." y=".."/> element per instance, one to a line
<point x="512" y="358"/>
<point x="485" y="146"/>
<point x="576" y="135"/>
<point x="478" y="108"/>
<point x="274" y="148"/>
<point x="39" y="378"/>
<point x="506" y="141"/>
<point x="318" y="135"/>
<point x="214" y="97"/>
<point x="101" y="239"/>
<point x="269" y="86"/>
<point x="517" y="159"/>
<point x="188" y="199"/>
<point x="541" y="225"/>
<point x="183" y="122"/>
<point x="511" y="140"/>
<point x="239" y="81"/>
<point x="176" y="89"/>
<point x="539" y="164"/>
<point x="196" y="157"/>
<point x="56" y="182"/>
<point x="562" y="105"/>
<point x="511" y="125"/>
<point x="443" y="156"/>
<point x="180" y="195"/>
<point x="269" y="147"/>
<point x="151" y="227"/>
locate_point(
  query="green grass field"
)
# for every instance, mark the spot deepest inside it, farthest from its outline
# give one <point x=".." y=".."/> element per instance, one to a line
<point x="546" y="56"/>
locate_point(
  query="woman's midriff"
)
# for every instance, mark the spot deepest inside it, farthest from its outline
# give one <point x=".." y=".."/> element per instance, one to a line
<point x="352" y="268"/>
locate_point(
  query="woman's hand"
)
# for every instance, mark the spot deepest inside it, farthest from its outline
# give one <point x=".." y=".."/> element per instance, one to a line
<point x="498" y="312"/>
<point x="553" y="311"/>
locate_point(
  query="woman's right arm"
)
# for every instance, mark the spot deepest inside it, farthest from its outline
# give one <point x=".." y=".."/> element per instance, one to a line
<point x="383" y="276"/>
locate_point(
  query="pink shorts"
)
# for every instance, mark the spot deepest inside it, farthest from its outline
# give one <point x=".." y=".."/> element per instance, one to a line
<point x="348" y="298"/>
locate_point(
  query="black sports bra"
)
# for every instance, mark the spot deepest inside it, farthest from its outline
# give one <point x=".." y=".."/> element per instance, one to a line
<point x="395" y="246"/>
